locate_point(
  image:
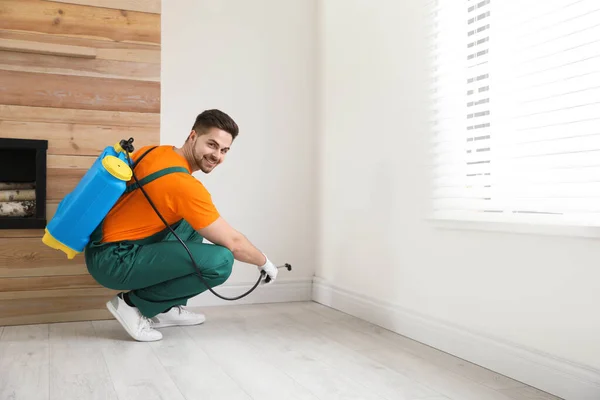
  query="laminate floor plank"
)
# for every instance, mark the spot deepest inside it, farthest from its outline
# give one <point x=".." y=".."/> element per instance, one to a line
<point x="447" y="361"/>
<point x="291" y="351"/>
<point x="248" y="367"/>
<point x="193" y="371"/>
<point x="528" y="393"/>
<point x="385" y="352"/>
<point x="136" y="371"/>
<point x="290" y="344"/>
<point x="77" y="367"/>
<point x="24" y="363"/>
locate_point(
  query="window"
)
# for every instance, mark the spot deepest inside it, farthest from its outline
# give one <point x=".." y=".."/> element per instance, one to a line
<point x="515" y="111"/>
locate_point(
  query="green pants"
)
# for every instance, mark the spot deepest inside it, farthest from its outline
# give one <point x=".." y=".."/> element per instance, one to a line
<point x="157" y="270"/>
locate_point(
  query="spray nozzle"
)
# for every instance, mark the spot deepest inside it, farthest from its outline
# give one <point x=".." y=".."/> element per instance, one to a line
<point x="268" y="278"/>
<point x="127" y="145"/>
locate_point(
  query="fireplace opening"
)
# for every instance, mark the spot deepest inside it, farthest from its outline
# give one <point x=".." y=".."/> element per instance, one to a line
<point x="23" y="183"/>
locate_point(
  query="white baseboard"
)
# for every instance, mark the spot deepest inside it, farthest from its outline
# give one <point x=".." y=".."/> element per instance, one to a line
<point x="277" y="292"/>
<point x="545" y="372"/>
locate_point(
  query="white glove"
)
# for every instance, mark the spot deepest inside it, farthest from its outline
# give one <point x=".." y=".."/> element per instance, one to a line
<point x="271" y="271"/>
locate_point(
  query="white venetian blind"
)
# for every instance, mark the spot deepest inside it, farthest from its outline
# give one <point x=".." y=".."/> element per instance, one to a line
<point x="515" y="96"/>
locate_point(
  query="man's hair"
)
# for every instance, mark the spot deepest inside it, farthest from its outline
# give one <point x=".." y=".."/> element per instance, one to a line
<point x="215" y="119"/>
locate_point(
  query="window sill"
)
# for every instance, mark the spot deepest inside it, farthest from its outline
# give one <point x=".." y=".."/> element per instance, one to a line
<point x="516" y="228"/>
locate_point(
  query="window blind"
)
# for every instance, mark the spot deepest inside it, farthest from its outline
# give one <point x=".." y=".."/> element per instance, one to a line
<point x="515" y="110"/>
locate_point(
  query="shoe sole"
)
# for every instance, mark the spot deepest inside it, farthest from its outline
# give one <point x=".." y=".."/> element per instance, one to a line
<point x="168" y="324"/>
<point x="115" y="314"/>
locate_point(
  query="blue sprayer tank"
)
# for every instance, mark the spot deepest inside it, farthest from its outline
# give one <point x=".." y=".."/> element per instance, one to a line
<point x="81" y="211"/>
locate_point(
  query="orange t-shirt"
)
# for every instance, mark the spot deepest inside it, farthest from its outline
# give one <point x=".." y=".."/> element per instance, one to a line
<point x="176" y="196"/>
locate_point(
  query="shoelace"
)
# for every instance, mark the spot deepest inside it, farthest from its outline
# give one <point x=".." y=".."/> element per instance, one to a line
<point x="183" y="311"/>
<point x="145" y="324"/>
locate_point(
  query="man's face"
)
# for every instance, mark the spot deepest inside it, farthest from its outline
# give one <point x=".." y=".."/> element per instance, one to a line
<point x="210" y="148"/>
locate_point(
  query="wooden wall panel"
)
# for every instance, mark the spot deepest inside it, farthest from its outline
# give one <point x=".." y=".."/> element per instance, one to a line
<point x="97" y="83"/>
<point x="43" y="306"/>
<point x="70" y="162"/>
<point x="96" y="43"/>
<point x="84" y="117"/>
<point x="47" y="283"/>
<point x="25" y="46"/>
<point x="30" y="257"/>
<point x="98" y="68"/>
<point x="22" y="233"/>
<point x="135" y="55"/>
<point x="77" y="20"/>
<point x="149" y="6"/>
<point x="37" y="89"/>
<point x="77" y="139"/>
<point x="61" y="181"/>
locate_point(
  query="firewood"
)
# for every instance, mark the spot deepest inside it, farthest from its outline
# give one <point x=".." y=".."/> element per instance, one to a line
<point x="16" y="185"/>
<point x="17" y="208"/>
<point x="17" y="195"/>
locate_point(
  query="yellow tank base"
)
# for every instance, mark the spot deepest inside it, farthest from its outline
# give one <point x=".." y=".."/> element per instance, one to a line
<point x="50" y="241"/>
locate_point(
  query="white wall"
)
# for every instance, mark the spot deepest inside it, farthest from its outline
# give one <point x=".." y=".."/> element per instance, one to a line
<point x="540" y="292"/>
<point x="365" y="140"/>
<point x="255" y="60"/>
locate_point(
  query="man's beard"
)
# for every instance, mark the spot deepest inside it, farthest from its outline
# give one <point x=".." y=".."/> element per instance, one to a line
<point x="206" y="165"/>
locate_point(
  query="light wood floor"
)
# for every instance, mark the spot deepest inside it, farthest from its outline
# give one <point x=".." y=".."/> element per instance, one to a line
<point x="276" y="351"/>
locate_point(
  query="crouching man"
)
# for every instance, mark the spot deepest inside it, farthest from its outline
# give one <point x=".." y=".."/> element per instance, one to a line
<point x="133" y="251"/>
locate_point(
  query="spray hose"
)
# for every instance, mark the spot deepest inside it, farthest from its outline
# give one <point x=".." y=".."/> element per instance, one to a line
<point x="127" y="146"/>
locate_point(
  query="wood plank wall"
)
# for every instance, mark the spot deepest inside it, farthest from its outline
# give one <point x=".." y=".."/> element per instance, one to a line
<point x="82" y="74"/>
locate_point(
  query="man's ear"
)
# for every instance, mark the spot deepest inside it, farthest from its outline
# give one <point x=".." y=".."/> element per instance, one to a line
<point x="191" y="136"/>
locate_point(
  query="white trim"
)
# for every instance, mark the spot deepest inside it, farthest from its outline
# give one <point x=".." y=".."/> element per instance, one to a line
<point x="278" y="291"/>
<point x="562" y="378"/>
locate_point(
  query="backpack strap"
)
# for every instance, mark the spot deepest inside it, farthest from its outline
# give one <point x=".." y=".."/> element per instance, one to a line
<point x="153" y="176"/>
<point x="96" y="236"/>
<point x="143" y="155"/>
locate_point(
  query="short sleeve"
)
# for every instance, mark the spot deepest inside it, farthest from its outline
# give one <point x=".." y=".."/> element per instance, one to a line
<point x="192" y="202"/>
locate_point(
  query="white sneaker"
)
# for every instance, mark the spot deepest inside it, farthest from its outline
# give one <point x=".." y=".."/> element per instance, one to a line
<point x="177" y="316"/>
<point x="132" y="320"/>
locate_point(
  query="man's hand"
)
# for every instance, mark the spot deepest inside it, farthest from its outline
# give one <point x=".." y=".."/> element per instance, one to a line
<point x="271" y="271"/>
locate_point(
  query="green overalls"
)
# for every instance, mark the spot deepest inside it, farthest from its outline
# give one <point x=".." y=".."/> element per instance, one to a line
<point x="157" y="270"/>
